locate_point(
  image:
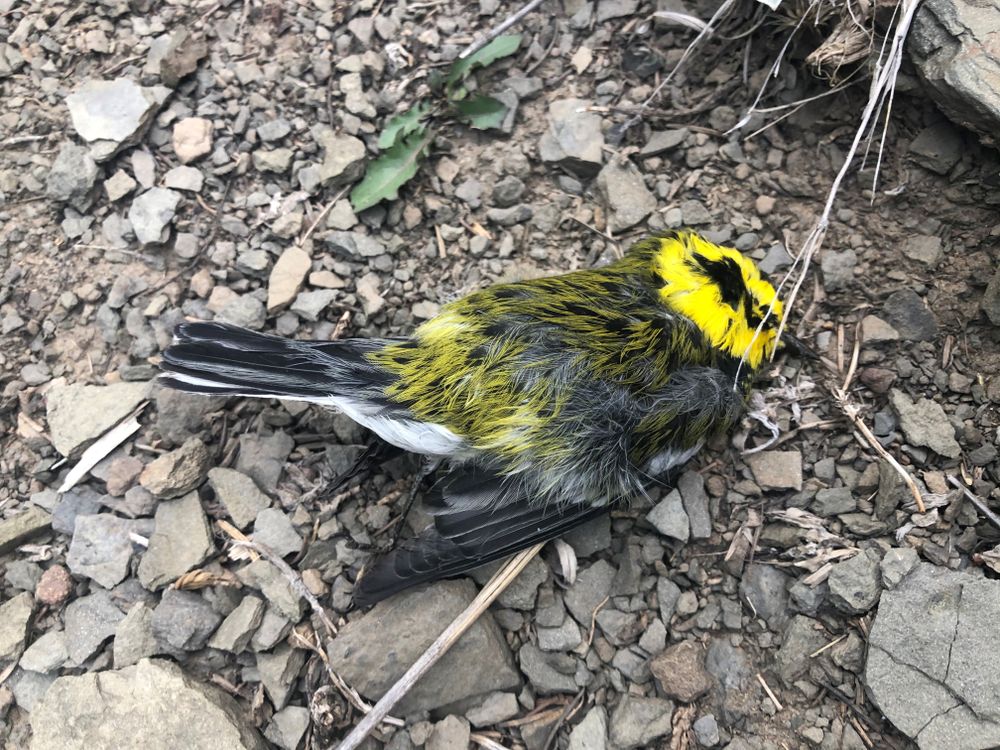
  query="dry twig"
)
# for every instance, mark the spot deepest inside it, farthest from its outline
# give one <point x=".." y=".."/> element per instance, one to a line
<point x="481" y="40"/>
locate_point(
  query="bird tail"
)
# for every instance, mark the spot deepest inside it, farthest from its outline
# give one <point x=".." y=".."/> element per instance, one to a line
<point x="222" y="359"/>
<point x="467" y="533"/>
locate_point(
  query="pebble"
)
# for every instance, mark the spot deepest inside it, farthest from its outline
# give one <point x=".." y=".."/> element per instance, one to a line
<point x="691" y="485"/>
<point x="573" y="140"/>
<point x="938" y="147"/>
<point x="151" y="214"/>
<point x="830" y="502"/>
<point x="18" y="529"/>
<point x="89" y="622"/>
<point x="706" y="731"/>
<point x="777" y="470"/>
<point x="874" y="330"/>
<point x="668" y="517"/>
<point x="592" y="732"/>
<point x="54" y="587"/>
<point x="309" y="305"/>
<point x="178" y="472"/>
<point x="15" y="616"/>
<point x="191" y="139"/>
<point x="71" y="177"/>
<point x="47" y="654"/>
<point x="856" y="584"/>
<point x="144" y="168"/>
<point x="926" y="249"/>
<point x="181" y="56"/>
<point x="496" y="707"/>
<point x="78" y="414"/>
<point x="139" y="706"/>
<point x="182" y="540"/>
<point x="547" y="672"/>
<point x="276" y="160"/>
<point x="661" y="141"/>
<point x="273" y="529"/>
<point x="451" y="732"/>
<point x="239" y="494"/>
<point x="134" y="639"/>
<point x="592" y="586"/>
<point x="909" y="315"/>
<point x="274" y="130"/>
<point x="764" y="205"/>
<point x="367" y="288"/>
<point x="637" y="722"/>
<point x="838" y="268"/>
<point x="245" y="311"/>
<point x="262" y="458"/>
<point x="237" y="629"/>
<point x="183" y="620"/>
<point x="288" y="726"/>
<point x="101" y="548"/>
<point x="765" y="587"/>
<point x="266" y="578"/>
<point x="680" y="671"/>
<point x="113" y="114"/>
<point x="925" y="423"/>
<point x="184" y="178"/>
<point x="624" y="192"/>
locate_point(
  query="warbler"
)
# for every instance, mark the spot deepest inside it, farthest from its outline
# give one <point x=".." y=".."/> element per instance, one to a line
<point x="550" y="400"/>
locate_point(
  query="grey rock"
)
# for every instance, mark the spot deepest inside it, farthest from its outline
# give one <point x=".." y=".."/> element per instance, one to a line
<point x="344" y="158"/>
<point x="636" y="722"/>
<point x="808" y="599"/>
<point x="372" y="651"/>
<point x="937" y="147"/>
<point x="548" y="672"/>
<point x="777" y="259"/>
<point x="624" y="192"/>
<point x="896" y="565"/>
<point x="727" y="664"/>
<point x="184" y="620"/>
<point x="680" y="671"/>
<point x="276" y="161"/>
<point x="856" y="584"/>
<point x="849" y="653"/>
<point x="278" y="671"/>
<point x="180" y="416"/>
<point x="273" y="529"/>
<point x="89" y="622"/>
<point x="237" y="629"/>
<point x="706" y="731"/>
<point x="80" y="501"/>
<point x="574" y="139"/>
<point x="29" y="687"/>
<point x="838" y="268"/>
<point x="925" y="423"/>
<point x="22" y="575"/>
<point x="668" y="517"/>
<point x="592" y="586"/>
<point x="152" y="705"/>
<point x="508" y="217"/>
<point x="273" y="627"/>
<point x="134" y="639"/>
<point x="777" y="470"/>
<point x="936" y="682"/>
<point x="47" y="653"/>
<point x="450" y="732"/>
<point x="508" y="191"/>
<point x="15" y="616"/>
<point x="591" y="537"/>
<point x="123" y="289"/>
<point x="16" y="530"/>
<point x="620" y="628"/>
<point x="244" y="310"/>
<point x="151" y="214"/>
<point x="667" y="594"/>
<point x="949" y="42"/>
<point x="496" y="707"/>
<point x="310" y="305"/>
<point x="830" y="502"/>
<point x="266" y="578"/>
<point x="924" y="248"/>
<point x="355" y="244"/>
<point x="178" y="472"/>
<point x="181" y="541"/>
<point x="765" y="587"/>
<point x="522" y="592"/>
<point x="184" y="178"/>
<point x="288" y="726"/>
<point x="101" y="548"/>
<point x="909" y="315"/>
<point x="608" y="9"/>
<point x="262" y="458"/>
<point x="113" y="114"/>
<point x="991" y="299"/>
<point x="663" y="140"/>
<point x="180" y="57"/>
<point x="275" y="130"/>
<point x="592" y="732"/>
<point x="802" y="637"/>
<point x="72" y="176"/>
<point x="238" y="493"/>
<point x="78" y="414"/>
<point x="691" y="485"/>
<point x="562" y="638"/>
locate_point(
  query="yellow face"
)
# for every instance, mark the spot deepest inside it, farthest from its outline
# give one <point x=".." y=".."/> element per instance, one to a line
<point x="722" y="292"/>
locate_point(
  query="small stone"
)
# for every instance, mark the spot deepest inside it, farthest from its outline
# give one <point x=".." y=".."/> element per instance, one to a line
<point x="237" y="629"/>
<point x="625" y="193"/>
<point x="897" y="564"/>
<point x="548" y="672"/>
<point x="262" y="458"/>
<point x="152" y="704"/>
<point x="706" y="731"/>
<point x="663" y="140"/>
<point x="831" y="502"/>
<point x="178" y="472"/>
<point x="855" y="584"/>
<point x="592" y="586"/>
<point x="273" y="529"/>
<point x="991" y="299"/>
<point x="909" y="315"/>
<point x="72" y="176"/>
<point x="181" y="541"/>
<point x="274" y="130"/>
<point x="15" y="617"/>
<point x="277" y="160"/>
<point x="875" y="330"/>
<point x="764" y="205"/>
<point x="54" y="587"/>
<point x="19" y="528"/>
<point x="134" y="639"/>
<point x="239" y="494"/>
<point x="286" y="277"/>
<point x="592" y="732"/>
<point x="801" y="638"/>
<point x="326" y="280"/>
<point x="926" y="249"/>
<point x="192" y="138"/>
<point x="765" y="587"/>
<point x="113" y="114"/>
<point x="279" y="670"/>
<point x="181" y="56"/>
<point x="608" y="9"/>
<point x="925" y="423"/>
<point x="144" y="168"/>
<point x="669" y="518"/>
<point x="495" y="708"/>
<point x="288" y="726"/>
<point x="184" y="620"/>
<point x="838" y="268"/>
<point x="367" y="288"/>
<point x="667" y="594"/>
<point x="691" y="485"/>
<point x="266" y="578"/>
<point x="122" y="474"/>
<point x="47" y="654"/>
<point x="287" y="225"/>
<point x="425" y="310"/>
<point x="310" y="305"/>
<point x="341" y="216"/>
<point x="78" y="414"/>
<point x="680" y="672"/>
<point x="636" y="721"/>
<point x="90" y="621"/>
<point x="184" y="178"/>
<point x="694" y="213"/>
<point x="938" y="147"/>
<point x="574" y="139"/>
<point x="151" y="214"/>
<point x="451" y="732"/>
<point x="101" y="548"/>
<point x="777" y="470"/>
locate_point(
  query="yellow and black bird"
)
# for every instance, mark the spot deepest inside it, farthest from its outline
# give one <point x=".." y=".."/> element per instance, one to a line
<point x="552" y="400"/>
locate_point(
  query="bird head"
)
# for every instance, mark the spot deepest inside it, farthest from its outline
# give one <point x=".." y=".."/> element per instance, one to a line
<point x="722" y="292"/>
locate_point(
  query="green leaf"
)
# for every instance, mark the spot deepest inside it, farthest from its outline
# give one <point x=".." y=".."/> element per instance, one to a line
<point x="502" y="46"/>
<point x="402" y="125"/>
<point x="482" y="112"/>
<point x="391" y="170"/>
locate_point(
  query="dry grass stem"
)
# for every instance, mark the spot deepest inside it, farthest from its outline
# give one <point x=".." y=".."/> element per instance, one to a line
<point x="481" y="40"/>
<point x="990" y="516"/>
<point x="770" y="693"/>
